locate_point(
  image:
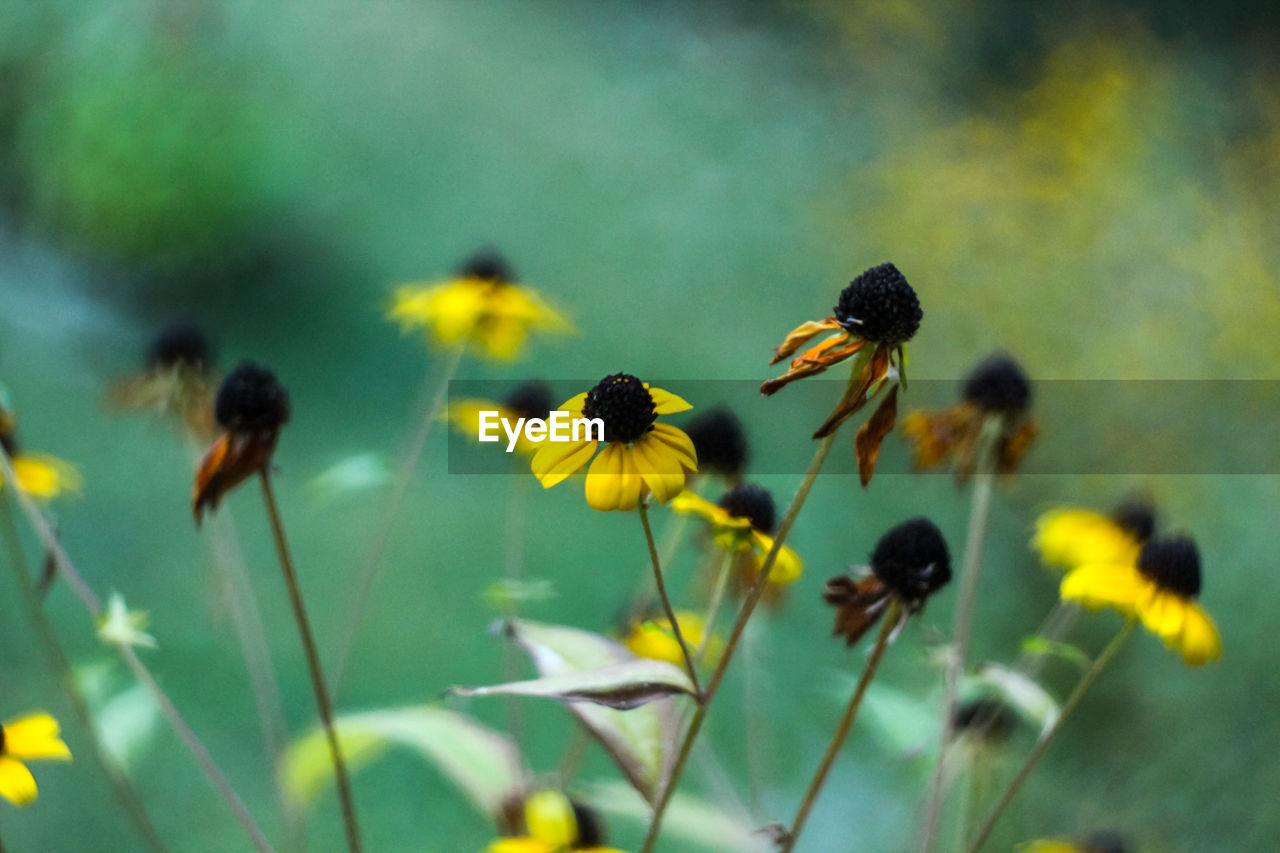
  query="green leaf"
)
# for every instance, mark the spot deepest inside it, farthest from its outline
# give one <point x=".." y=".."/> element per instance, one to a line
<point x="1024" y="695"/>
<point x="641" y="741"/>
<point x="624" y="686"/>
<point x="483" y="763"/>
<point x="1037" y="645"/>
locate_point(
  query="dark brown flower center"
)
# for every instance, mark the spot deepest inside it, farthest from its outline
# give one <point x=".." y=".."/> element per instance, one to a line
<point x="751" y="502"/>
<point x="181" y="343"/>
<point x="530" y="400"/>
<point x="488" y="265"/>
<point x="720" y="442"/>
<point x="1173" y="563"/>
<point x="912" y="560"/>
<point x="998" y="386"/>
<point x="880" y="306"/>
<point x="251" y="399"/>
<point x="625" y="406"/>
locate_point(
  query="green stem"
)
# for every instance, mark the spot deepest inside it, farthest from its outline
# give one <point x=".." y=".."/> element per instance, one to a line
<point x="363" y="586"/>
<point x="1042" y="745"/>
<point x="76" y="583"/>
<point x="979" y="513"/>
<point x="842" y="728"/>
<point x="724" y="565"/>
<point x="513" y="565"/>
<point x="120" y="784"/>
<point x="318" y="685"/>
<point x="666" y="604"/>
<point x="748" y="607"/>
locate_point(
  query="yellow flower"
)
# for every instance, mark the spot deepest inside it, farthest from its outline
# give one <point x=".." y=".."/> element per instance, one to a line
<point x="528" y="400"/>
<point x="639" y="455"/>
<point x="653" y="638"/>
<point x="44" y="477"/>
<point x="30" y="738"/>
<point x="554" y="824"/>
<point x="1099" y="842"/>
<point x="741" y="523"/>
<point x="1070" y="536"/>
<point x="482" y="305"/>
<point x="1159" y="587"/>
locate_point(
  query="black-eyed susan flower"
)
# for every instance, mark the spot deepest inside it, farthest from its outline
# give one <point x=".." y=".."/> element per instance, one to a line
<point x="527" y="400"/>
<point x="996" y="397"/>
<point x="653" y="638"/>
<point x="910" y="563"/>
<point x="1159" y="587"/>
<point x="873" y="319"/>
<point x="721" y="442"/>
<point x="30" y="738"/>
<point x="40" y="475"/>
<point x="483" y="305"/>
<point x="550" y="822"/>
<point x="1069" y="537"/>
<point x="1099" y="842"/>
<point x="742" y="523"/>
<point x="178" y="381"/>
<point x="252" y="407"/>
<point x="640" y="454"/>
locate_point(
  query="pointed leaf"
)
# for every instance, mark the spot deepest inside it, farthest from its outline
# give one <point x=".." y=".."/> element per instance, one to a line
<point x="483" y="763"/>
<point x="623" y="686"/>
<point x="1030" y="700"/>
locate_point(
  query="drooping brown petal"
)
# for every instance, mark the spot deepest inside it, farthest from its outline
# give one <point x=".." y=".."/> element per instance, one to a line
<point x="858" y="602"/>
<point x="815" y="360"/>
<point x="801" y="335"/>
<point x="1015" y="444"/>
<point x="227" y="463"/>
<point x="866" y="444"/>
<point x="855" y="396"/>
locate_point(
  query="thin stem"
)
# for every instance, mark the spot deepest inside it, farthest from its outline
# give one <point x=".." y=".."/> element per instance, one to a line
<point x="76" y="583"/>
<point x="1042" y="745"/>
<point x="363" y="586"/>
<point x="979" y="513"/>
<point x="842" y="728"/>
<point x="120" y="784"/>
<point x="724" y="564"/>
<point x="573" y="755"/>
<point x="666" y="604"/>
<point x="748" y="607"/>
<point x="513" y="564"/>
<point x="323" y="703"/>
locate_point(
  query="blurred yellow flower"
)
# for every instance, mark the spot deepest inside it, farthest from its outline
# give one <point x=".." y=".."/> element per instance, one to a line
<point x="741" y="523"/>
<point x="554" y="824"/>
<point x="1159" y="587"/>
<point x="483" y="305"/>
<point x="639" y="455"/>
<point x="30" y="738"/>
<point x="528" y="400"/>
<point x="1071" y="536"/>
<point x="653" y="638"/>
<point x="43" y="476"/>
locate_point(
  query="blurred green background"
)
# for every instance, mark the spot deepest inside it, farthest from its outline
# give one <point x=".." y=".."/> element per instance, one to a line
<point x="1091" y="186"/>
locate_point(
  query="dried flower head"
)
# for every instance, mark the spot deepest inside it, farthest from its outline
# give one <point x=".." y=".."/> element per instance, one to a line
<point x="180" y="343"/>
<point x="251" y="399"/>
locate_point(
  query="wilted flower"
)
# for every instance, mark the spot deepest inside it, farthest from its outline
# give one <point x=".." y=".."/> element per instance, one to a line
<point x="997" y="397"/>
<point x="640" y="455"/>
<point x="910" y="563"/>
<point x="482" y="305"/>
<point x="178" y="381"/>
<point x="878" y="308"/>
<point x="252" y="407"/>
<point x="1159" y="587"/>
<point x="30" y="738"/>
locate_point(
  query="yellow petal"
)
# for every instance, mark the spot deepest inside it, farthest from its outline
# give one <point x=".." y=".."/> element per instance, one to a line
<point x="573" y="405"/>
<point x="631" y="486"/>
<point x="1163" y="613"/>
<point x="17" y="785"/>
<point x="660" y="467"/>
<point x="520" y="845"/>
<point x="556" y="460"/>
<point x="604" y="479"/>
<point x="1199" y="641"/>
<point x="1051" y="847"/>
<point x="787" y="566"/>
<point x="1071" y="537"/>
<point x="548" y="814"/>
<point x="44" y="477"/>
<point x="679" y="441"/>
<point x="666" y="403"/>
<point x="1117" y="586"/>
<point x="35" y="736"/>
<point x="501" y="338"/>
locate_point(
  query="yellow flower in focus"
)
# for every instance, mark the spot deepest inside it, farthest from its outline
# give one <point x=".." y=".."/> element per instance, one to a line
<point x="482" y="305"/>
<point x="554" y="824"/>
<point x="639" y="455"/>
<point x="741" y="523"/>
<point x="528" y="400"/>
<point x="654" y="639"/>
<point x="30" y="738"/>
<point x="1070" y="536"/>
<point x="45" y="477"/>
<point x="1159" y="587"/>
